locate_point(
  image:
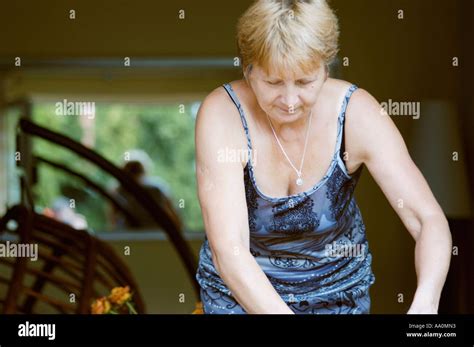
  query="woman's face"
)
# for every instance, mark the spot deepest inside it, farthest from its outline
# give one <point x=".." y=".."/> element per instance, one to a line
<point x="288" y="98"/>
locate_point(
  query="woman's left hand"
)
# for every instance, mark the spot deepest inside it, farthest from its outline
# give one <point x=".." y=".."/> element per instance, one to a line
<point x="425" y="309"/>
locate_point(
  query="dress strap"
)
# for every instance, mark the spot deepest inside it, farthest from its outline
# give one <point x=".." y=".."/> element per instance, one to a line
<point x="236" y="101"/>
<point x="342" y="115"/>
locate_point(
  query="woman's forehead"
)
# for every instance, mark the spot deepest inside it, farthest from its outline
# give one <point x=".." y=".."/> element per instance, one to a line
<point x="282" y="72"/>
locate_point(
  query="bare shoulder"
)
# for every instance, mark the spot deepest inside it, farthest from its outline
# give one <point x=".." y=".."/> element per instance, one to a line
<point x="334" y="87"/>
<point x="337" y="84"/>
<point x="218" y="122"/>
<point x="365" y="124"/>
<point x="363" y="117"/>
<point x="361" y="104"/>
<point x="363" y="113"/>
<point x="332" y="93"/>
<point x="218" y="113"/>
<point x="215" y="107"/>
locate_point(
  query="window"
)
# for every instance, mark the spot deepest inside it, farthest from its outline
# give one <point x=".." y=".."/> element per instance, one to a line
<point x="165" y="132"/>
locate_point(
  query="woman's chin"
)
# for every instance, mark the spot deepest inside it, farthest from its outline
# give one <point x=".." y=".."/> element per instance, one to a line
<point x="286" y="117"/>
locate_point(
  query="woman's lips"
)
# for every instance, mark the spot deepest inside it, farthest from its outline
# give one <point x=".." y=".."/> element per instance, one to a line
<point x="287" y="110"/>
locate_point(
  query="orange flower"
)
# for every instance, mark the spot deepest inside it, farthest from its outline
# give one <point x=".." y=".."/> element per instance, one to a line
<point x="120" y="295"/>
<point x="100" y="306"/>
<point x="198" y="309"/>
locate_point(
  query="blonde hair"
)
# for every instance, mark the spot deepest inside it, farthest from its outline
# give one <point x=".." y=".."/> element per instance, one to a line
<point x="287" y="35"/>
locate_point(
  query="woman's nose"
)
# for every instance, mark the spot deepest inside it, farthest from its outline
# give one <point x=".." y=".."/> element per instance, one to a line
<point x="290" y="98"/>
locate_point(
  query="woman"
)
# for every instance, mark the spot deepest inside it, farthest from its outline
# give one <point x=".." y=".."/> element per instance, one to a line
<point x="284" y="233"/>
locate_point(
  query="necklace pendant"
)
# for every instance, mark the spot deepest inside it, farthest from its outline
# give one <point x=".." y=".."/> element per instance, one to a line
<point x="299" y="181"/>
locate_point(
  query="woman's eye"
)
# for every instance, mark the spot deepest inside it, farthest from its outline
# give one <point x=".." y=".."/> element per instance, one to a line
<point x="274" y="83"/>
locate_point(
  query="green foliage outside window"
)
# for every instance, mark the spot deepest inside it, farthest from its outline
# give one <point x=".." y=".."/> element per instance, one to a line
<point x="165" y="132"/>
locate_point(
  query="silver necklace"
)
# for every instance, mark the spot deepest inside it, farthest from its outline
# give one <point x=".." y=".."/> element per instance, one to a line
<point x="299" y="180"/>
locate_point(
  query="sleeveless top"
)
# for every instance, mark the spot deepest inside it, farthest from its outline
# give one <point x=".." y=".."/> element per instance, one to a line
<point x="312" y="245"/>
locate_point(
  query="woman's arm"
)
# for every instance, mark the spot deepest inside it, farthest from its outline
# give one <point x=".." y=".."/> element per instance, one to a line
<point x="222" y="197"/>
<point x="377" y="141"/>
<point x="432" y="257"/>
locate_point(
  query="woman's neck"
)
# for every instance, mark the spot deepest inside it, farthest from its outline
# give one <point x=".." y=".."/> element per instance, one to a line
<point x="286" y="131"/>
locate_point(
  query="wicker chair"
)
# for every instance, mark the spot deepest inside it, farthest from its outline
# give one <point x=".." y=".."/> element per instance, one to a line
<point x="73" y="267"/>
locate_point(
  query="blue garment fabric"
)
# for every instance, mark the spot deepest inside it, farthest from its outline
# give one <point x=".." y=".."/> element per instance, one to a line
<point x="312" y="246"/>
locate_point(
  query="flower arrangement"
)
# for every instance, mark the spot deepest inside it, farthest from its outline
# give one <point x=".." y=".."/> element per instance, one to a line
<point x="119" y="301"/>
<point x="198" y="309"/>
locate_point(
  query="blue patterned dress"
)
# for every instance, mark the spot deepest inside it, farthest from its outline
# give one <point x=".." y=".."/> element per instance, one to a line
<point x="312" y="246"/>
